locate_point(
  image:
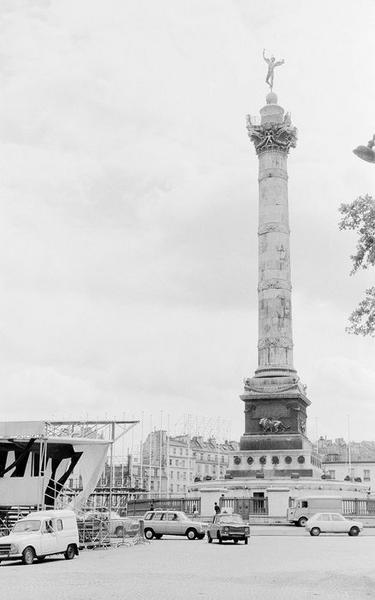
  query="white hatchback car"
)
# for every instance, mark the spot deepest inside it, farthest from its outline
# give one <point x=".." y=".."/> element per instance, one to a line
<point x="332" y="523"/>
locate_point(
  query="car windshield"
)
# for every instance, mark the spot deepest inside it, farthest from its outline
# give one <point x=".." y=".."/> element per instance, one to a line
<point x="230" y="519"/>
<point x="26" y="526"/>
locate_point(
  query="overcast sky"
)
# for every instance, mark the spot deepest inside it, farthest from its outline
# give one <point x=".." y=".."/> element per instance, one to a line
<point x="128" y="229"/>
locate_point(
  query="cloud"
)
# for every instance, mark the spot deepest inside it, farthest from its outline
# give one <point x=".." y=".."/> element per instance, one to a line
<point x="128" y="245"/>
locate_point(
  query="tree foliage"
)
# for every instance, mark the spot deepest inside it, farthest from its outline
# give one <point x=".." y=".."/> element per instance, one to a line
<point x="359" y="216"/>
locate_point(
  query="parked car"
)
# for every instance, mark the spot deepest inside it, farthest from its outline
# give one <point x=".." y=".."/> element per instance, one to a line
<point x="41" y="534"/>
<point x="172" y="522"/>
<point x="228" y="527"/>
<point x="332" y="523"/>
<point x="117" y="526"/>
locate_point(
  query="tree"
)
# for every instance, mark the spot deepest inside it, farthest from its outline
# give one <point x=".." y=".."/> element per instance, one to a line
<point x="359" y="216"/>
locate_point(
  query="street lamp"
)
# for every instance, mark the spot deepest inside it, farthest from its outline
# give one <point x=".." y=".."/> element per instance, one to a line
<point x="366" y="152"/>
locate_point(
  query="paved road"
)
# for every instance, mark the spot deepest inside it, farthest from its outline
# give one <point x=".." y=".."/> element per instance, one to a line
<point x="278" y="567"/>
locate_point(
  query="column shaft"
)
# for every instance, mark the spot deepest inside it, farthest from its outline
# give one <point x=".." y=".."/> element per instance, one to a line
<point x="275" y="340"/>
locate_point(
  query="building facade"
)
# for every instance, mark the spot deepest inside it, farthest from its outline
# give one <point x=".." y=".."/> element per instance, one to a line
<point x="354" y="461"/>
<point x="171" y="464"/>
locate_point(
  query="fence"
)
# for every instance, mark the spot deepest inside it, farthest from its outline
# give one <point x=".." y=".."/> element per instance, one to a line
<point x="9" y="515"/>
<point x="187" y="505"/>
<point x="360" y="507"/>
<point x="245" y="506"/>
<point x="98" y="530"/>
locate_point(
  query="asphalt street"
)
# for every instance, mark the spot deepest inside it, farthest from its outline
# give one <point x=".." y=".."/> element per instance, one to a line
<point x="273" y="566"/>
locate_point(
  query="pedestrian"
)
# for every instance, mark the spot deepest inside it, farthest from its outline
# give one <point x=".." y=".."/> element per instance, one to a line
<point x="152" y="506"/>
<point x="217" y="508"/>
<point x="195" y="511"/>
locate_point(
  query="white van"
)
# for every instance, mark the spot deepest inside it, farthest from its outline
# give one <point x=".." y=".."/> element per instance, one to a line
<point x="301" y="509"/>
<point x="41" y="534"/>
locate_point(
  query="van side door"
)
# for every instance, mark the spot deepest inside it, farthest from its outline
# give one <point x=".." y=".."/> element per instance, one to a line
<point x="62" y="535"/>
<point x="48" y="537"/>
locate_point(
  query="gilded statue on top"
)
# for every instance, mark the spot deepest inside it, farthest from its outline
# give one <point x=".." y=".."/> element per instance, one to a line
<point x="272" y="63"/>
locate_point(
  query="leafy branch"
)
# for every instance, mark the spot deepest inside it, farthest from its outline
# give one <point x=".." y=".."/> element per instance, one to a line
<point x="359" y="216"/>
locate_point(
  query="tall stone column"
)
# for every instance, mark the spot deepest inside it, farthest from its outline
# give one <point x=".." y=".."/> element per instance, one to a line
<point x="273" y="138"/>
<point x="275" y="400"/>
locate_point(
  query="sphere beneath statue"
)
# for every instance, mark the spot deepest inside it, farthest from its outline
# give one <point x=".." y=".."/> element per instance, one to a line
<point x="271" y="98"/>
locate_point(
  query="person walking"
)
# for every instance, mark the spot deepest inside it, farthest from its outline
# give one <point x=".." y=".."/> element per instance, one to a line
<point x="217" y="508"/>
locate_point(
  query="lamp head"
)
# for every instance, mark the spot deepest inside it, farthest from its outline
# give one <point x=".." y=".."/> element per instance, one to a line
<point x="365" y="153"/>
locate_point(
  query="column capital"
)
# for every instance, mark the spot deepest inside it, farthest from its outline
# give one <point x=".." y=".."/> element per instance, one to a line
<point x="272" y="137"/>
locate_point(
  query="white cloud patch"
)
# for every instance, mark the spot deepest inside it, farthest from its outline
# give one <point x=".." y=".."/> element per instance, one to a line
<point x="128" y="247"/>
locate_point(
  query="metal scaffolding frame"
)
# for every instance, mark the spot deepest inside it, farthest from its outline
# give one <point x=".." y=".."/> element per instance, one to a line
<point x="93" y="429"/>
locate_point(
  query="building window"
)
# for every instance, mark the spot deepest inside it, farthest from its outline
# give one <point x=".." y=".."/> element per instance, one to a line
<point x="174" y="450"/>
<point x="180" y="451"/>
<point x="366" y="475"/>
<point x="332" y="474"/>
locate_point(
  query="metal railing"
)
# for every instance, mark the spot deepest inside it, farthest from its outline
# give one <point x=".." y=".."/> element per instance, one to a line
<point x="360" y="507"/>
<point x="245" y="506"/>
<point x="187" y="505"/>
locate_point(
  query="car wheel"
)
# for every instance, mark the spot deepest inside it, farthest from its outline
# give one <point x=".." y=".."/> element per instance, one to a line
<point x="119" y="531"/>
<point x="302" y="522"/>
<point x="354" y="531"/>
<point x="209" y="538"/>
<point x="70" y="552"/>
<point x="246" y="540"/>
<point x="158" y="536"/>
<point x="315" y="531"/>
<point x="149" y="534"/>
<point x="191" y="534"/>
<point x="28" y="556"/>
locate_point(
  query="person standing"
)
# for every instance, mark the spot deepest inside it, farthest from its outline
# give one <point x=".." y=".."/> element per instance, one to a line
<point x="217" y="508"/>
